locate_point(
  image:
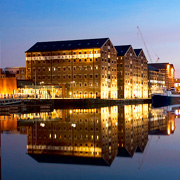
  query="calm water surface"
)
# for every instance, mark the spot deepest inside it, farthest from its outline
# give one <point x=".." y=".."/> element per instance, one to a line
<point x="127" y="142"/>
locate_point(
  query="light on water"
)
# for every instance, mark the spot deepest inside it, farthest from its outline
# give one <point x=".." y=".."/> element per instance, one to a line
<point x="125" y="142"/>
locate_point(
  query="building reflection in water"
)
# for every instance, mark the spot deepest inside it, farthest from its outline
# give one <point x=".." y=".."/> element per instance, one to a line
<point x="9" y="124"/>
<point x="90" y="136"/>
<point x="161" y="121"/>
<point x="0" y="148"/>
<point x="132" y="129"/>
<point x="85" y="136"/>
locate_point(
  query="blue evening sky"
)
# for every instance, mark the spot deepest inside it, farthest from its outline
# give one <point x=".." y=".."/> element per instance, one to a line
<point x="24" y="22"/>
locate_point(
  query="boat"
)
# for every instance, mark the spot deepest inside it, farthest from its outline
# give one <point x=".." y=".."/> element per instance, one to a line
<point x="168" y="98"/>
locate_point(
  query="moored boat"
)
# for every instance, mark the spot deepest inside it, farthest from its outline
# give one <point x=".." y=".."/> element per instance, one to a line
<point x="165" y="99"/>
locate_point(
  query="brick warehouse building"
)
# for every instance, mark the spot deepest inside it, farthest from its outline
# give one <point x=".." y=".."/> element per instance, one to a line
<point x="83" y="68"/>
<point x="132" y="72"/>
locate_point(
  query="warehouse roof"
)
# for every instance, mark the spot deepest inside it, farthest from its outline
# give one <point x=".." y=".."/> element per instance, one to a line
<point x="67" y="45"/>
<point x="137" y="51"/>
<point x="122" y="49"/>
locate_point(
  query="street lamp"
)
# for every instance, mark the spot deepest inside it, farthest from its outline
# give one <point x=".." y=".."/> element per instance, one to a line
<point x="71" y="93"/>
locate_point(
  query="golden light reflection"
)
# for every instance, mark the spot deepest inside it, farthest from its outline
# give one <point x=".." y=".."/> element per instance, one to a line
<point x="80" y="132"/>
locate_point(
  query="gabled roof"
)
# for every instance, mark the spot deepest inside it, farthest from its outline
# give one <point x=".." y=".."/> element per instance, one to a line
<point x="67" y="45"/>
<point x="159" y="65"/>
<point x="122" y="49"/>
<point x="137" y="51"/>
<point x="69" y="159"/>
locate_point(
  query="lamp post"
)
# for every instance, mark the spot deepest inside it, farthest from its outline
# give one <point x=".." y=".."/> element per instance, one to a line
<point x="35" y="83"/>
<point x="72" y="82"/>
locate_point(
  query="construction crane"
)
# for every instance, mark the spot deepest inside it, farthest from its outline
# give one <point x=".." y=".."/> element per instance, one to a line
<point x="146" y="46"/>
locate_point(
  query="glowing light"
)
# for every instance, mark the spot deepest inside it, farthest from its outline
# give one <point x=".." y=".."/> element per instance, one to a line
<point x="42" y="124"/>
<point x="172" y="126"/>
<point x="73" y="125"/>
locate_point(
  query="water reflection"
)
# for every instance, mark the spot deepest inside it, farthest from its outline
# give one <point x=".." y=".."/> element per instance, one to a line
<point x="132" y="129"/>
<point x="90" y="136"/>
<point x="162" y="121"/>
<point x="0" y="150"/>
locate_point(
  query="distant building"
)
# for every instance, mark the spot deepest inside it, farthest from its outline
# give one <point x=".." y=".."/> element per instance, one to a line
<point x="8" y="80"/>
<point x="83" y="68"/>
<point x="131" y="72"/>
<point x="156" y="80"/>
<point x="2" y="75"/>
<point x="177" y="84"/>
<point x="168" y="69"/>
<point x="18" y="72"/>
